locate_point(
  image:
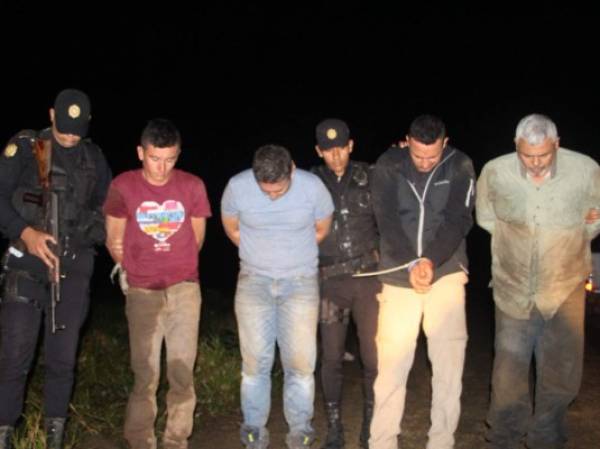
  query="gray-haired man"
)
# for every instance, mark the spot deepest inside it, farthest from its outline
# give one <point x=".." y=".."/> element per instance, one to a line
<point x="533" y="203"/>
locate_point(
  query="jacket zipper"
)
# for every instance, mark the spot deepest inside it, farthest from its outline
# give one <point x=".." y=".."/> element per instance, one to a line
<point x="421" y="201"/>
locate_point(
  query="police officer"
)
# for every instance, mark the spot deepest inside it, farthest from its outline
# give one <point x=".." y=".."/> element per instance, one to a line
<point x="350" y="247"/>
<point x="35" y="165"/>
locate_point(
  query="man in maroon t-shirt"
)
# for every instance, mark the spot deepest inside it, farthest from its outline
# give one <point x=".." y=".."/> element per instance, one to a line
<point x="155" y="221"/>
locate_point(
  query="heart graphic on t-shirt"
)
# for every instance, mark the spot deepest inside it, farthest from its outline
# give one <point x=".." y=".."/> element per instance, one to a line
<point x="160" y="221"/>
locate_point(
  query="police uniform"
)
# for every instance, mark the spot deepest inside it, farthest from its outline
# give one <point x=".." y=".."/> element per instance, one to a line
<point x="80" y="176"/>
<point x="349" y="248"/>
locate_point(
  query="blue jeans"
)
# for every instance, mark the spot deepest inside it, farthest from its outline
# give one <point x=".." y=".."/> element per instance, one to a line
<point x="284" y="311"/>
<point x="557" y="345"/>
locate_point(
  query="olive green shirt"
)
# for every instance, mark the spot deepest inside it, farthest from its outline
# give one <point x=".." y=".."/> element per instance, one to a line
<point x="540" y="241"/>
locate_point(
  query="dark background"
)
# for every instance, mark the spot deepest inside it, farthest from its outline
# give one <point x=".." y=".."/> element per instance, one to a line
<point x="234" y="76"/>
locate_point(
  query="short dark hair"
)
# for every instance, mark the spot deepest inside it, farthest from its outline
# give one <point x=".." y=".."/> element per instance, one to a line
<point x="161" y="133"/>
<point x="272" y="163"/>
<point x="427" y="129"/>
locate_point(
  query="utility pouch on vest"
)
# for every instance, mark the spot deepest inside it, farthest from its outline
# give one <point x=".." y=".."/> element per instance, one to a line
<point x="91" y="228"/>
<point x="12" y="289"/>
<point x="18" y="259"/>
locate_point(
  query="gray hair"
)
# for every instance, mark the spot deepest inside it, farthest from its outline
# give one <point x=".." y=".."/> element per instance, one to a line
<point x="535" y="128"/>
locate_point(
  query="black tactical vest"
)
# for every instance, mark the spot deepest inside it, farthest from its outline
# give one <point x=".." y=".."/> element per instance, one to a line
<point x="73" y="177"/>
<point x="353" y="234"/>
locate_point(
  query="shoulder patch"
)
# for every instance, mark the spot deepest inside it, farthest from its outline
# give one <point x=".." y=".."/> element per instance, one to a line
<point x="10" y="150"/>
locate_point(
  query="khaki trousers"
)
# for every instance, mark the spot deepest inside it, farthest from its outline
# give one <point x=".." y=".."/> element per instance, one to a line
<point x="401" y="311"/>
<point x="172" y="315"/>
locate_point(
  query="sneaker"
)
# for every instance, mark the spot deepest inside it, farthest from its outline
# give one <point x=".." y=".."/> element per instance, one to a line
<point x="348" y="357"/>
<point x="252" y="439"/>
<point x="299" y="440"/>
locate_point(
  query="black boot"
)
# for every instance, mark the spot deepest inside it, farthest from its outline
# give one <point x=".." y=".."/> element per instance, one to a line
<point x="55" y="432"/>
<point x="366" y="424"/>
<point x="335" y="430"/>
<point x="6" y="437"/>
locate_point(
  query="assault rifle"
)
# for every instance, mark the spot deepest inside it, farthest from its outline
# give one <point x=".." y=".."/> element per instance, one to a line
<point x="49" y="202"/>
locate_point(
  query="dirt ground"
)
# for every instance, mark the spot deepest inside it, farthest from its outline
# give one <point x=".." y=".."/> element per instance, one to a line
<point x="222" y="432"/>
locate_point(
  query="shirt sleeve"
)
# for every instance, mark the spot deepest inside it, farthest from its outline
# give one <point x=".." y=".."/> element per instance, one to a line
<point x="200" y="203"/>
<point x="323" y="201"/>
<point x="593" y="229"/>
<point x="115" y="204"/>
<point x="229" y="204"/>
<point x="13" y="161"/>
<point x="484" y="209"/>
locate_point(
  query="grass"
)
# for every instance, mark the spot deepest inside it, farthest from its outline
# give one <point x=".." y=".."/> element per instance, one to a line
<point x="103" y="379"/>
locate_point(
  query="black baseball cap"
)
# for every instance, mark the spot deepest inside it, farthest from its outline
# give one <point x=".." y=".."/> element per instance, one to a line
<point x="331" y="133"/>
<point x="72" y="112"/>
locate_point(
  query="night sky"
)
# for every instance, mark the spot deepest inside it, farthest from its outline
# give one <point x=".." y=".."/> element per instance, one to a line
<point x="235" y="76"/>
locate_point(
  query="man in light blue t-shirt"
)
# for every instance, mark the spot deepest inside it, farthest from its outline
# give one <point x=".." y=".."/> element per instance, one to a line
<point x="276" y="215"/>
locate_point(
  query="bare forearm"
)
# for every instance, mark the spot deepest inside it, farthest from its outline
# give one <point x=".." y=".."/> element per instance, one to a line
<point x="231" y="225"/>
<point x="321" y="235"/>
<point x="322" y="228"/>
<point x="115" y="248"/>
<point x="115" y="233"/>
<point x="199" y="228"/>
<point x="116" y="255"/>
<point x="234" y="236"/>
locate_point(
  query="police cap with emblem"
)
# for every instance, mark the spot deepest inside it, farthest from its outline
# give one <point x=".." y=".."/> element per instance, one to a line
<point x="331" y="133"/>
<point x="72" y="112"/>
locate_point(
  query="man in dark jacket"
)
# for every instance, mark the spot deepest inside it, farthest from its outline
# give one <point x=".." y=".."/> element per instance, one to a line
<point x="58" y="161"/>
<point x="350" y="247"/>
<point x="423" y="200"/>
